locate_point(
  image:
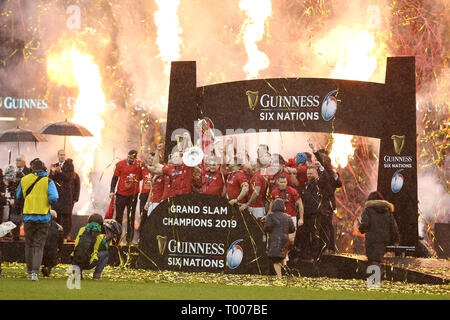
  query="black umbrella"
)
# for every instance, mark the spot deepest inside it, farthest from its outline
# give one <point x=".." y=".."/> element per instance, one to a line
<point x="65" y="128"/>
<point x="21" y="135"/>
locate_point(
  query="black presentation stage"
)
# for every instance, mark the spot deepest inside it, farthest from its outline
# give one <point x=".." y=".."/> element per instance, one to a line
<point x="409" y="269"/>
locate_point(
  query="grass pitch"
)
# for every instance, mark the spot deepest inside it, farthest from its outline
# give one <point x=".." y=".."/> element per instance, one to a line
<point x="133" y="284"/>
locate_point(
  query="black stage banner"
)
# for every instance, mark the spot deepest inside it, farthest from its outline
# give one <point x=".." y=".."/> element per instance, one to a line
<point x="383" y="111"/>
<point x="202" y="233"/>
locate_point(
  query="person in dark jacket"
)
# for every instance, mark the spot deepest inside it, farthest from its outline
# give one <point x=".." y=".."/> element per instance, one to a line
<point x="2" y="203"/>
<point x="53" y="245"/>
<point x="16" y="208"/>
<point x="310" y="239"/>
<point x="379" y="226"/>
<point x="62" y="173"/>
<point x="335" y="181"/>
<point x="76" y="188"/>
<point x="279" y="225"/>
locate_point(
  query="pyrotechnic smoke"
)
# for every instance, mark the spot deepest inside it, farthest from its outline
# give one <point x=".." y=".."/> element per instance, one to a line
<point x="434" y="202"/>
<point x="134" y="41"/>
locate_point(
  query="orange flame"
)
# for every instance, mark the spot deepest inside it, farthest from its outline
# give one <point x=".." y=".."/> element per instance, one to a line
<point x="342" y="149"/>
<point x="71" y="68"/>
<point x="252" y="31"/>
<point x="168" y="32"/>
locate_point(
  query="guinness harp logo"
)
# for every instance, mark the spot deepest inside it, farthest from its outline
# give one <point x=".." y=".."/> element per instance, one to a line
<point x="162" y="243"/>
<point x="399" y="142"/>
<point x="252" y="98"/>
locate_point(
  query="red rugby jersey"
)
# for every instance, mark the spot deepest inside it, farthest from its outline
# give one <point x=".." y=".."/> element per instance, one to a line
<point x="180" y="179"/>
<point x="146" y="181"/>
<point x="129" y="177"/>
<point x="157" y="192"/>
<point x="301" y="176"/>
<point x="234" y="185"/>
<point x="258" y="180"/>
<point x="212" y="183"/>
<point x="289" y="196"/>
<point x="273" y="180"/>
<point x="166" y="184"/>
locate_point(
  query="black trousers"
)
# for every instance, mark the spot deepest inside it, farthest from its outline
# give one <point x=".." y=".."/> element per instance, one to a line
<point x="308" y="241"/>
<point x="16" y="216"/>
<point x="65" y="220"/>
<point x="142" y="213"/>
<point x="128" y="202"/>
<point x="35" y="236"/>
<point x="326" y="230"/>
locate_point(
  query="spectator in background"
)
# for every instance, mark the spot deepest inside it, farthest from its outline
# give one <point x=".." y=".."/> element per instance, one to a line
<point x="62" y="173"/>
<point x="379" y="226"/>
<point x="127" y="174"/>
<point x="12" y="180"/>
<point x="76" y="189"/>
<point x="2" y="203"/>
<point x="21" y="171"/>
<point x="53" y="245"/>
<point x="21" y="166"/>
<point x="38" y="192"/>
<point x="279" y="225"/>
<point x="3" y="200"/>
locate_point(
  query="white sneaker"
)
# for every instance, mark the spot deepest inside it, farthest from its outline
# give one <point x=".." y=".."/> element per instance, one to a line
<point x="34" y="277"/>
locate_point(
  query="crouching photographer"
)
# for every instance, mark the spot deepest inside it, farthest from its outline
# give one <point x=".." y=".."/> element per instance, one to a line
<point x="91" y="247"/>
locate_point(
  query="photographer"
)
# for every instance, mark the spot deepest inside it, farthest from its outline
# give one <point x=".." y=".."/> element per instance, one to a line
<point x="91" y="247"/>
<point x="38" y="193"/>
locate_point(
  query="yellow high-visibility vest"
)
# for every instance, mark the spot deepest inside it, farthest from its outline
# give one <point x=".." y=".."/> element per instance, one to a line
<point x="37" y="200"/>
